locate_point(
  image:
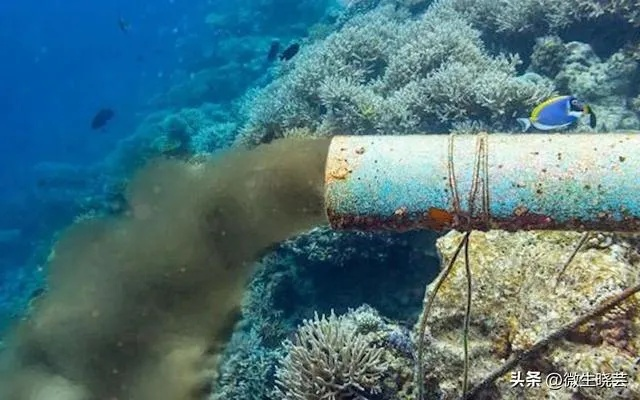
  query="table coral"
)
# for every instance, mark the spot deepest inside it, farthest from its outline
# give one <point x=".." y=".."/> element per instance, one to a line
<point x="519" y="298"/>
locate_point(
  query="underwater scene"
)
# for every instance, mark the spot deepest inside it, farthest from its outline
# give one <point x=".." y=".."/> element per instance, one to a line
<point x="320" y="200"/>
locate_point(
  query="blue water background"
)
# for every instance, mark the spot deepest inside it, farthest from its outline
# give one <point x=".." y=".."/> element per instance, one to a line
<point x="64" y="60"/>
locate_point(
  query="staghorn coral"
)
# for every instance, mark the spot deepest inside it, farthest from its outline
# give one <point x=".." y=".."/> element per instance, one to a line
<point x="293" y="101"/>
<point x="510" y="272"/>
<point x="328" y="359"/>
<point x="514" y="16"/>
<point x="430" y="43"/>
<point x="487" y="92"/>
<point x="539" y="16"/>
<point x="384" y="72"/>
<point x="352" y="7"/>
<point x="627" y="9"/>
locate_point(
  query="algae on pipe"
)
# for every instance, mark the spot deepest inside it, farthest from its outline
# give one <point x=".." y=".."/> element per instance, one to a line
<point x="486" y="181"/>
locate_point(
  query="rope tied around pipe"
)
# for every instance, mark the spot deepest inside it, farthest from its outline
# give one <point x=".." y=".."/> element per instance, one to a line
<point x="480" y="179"/>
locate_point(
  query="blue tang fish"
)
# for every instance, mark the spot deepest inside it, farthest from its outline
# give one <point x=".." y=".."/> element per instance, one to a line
<point x="557" y="113"/>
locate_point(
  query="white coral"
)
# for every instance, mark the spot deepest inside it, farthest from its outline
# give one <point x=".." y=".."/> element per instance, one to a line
<point x="329" y="359"/>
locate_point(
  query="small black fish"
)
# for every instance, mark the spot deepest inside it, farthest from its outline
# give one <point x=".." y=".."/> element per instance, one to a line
<point x="101" y="118"/>
<point x="290" y="51"/>
<point x="273" y="51"/>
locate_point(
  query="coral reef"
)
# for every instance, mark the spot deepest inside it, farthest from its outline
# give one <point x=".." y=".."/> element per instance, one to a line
<point x="220" y="65"/>
<point x="355" y="355"/>
<point x="194" y="131"/>
<point x="519" y="297"/>
<point x="540" y="15"/>
<point x="609" y="85"/>
<point x="509" y="16"/>
<point x="184" y="133"/>
<point x="383" y="72"/>
<point x="219" y="76"/>
<point x="323" y="270"/>
<point x="584" y="74"/>
<point x="247" y="368"/>
<point x="370" y="67"/>
<point x="549" y="55"/>
<point x="629" y="10"/>
<point x="329" y="359"/>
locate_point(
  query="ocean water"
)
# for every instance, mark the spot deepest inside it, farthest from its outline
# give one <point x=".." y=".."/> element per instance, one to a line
<point x="64" y="62"/>
<point x="132" y="250"/>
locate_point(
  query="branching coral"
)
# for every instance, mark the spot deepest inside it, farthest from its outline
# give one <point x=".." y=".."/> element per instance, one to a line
<point x="514" y="16"/>
<point x="328" y="359"/>
<point x="428" y="43"/>
<point x="628" y="9"/>
<point x="386" y="73"/>
<point x="356" y="53"/>
<point x="539" y="15"/>
<point x="458" y="91"/>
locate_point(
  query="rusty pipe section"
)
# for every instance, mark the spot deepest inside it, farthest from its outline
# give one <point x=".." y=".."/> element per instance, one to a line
<point x="495" y="181"/>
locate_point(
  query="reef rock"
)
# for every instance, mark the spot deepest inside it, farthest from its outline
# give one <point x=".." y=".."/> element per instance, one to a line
<point x="585" y="74"/>
<point x="607" y="84"/>
<point x="520" y="297"/>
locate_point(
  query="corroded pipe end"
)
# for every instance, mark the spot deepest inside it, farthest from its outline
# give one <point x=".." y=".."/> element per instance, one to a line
<point x="358" y="193"/>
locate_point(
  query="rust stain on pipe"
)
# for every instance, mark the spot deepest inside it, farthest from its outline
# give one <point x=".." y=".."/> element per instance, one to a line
<point x="497" y="181"/>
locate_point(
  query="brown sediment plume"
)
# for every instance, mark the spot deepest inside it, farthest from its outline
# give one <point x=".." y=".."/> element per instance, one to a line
<point x="139" y="304"/>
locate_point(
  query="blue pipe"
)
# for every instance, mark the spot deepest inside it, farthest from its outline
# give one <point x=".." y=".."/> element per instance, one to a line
<point x="480" y="182"/>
